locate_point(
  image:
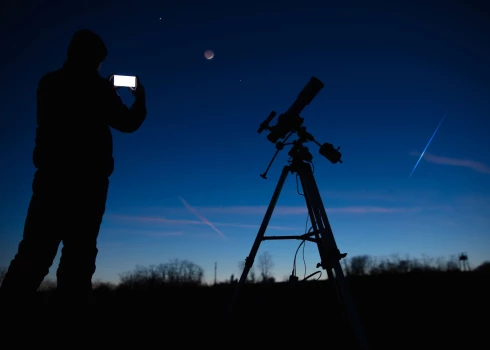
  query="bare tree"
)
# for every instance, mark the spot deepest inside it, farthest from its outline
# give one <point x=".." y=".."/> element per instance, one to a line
<point x="359" y="265"/>
<point x="452" y="264"/>
<point x="346" y="267"/>
<point x="251" y="273"/>
<point x="174" y="272"/>
<point x="265" y="266"/>
<point x="184" y="271"/>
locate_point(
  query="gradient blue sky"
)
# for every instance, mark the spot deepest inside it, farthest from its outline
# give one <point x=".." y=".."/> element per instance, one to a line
<point x="391" y="71"/>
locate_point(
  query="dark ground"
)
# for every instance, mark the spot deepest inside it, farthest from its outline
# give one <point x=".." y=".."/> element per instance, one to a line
<point x="426" y="311"/>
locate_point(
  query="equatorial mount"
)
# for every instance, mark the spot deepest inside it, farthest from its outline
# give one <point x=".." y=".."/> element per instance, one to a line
<point x="290" y="123"/>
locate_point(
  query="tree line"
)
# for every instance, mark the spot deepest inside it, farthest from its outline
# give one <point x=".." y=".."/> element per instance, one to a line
<point x="179" y="272"/>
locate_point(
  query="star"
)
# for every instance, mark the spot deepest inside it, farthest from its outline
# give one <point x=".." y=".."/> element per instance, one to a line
<point x="160" y="18"/>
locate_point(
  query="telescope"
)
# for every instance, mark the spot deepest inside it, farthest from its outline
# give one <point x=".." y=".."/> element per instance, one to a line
<point x="291" y="122"/>
<point x="301" y="164"/>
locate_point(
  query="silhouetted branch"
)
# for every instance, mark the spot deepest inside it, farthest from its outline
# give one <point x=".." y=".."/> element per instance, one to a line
<point x="265" y="266"/>
<point x="175" y="272"/>
<point x="366" y="265"/>
<point x="251" y="273"/>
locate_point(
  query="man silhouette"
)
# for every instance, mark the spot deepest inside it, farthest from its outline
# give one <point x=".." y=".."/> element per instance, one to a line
<point x="73" y="155"/>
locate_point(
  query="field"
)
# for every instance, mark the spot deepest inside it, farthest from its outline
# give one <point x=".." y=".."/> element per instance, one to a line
<point x="399" y="311"/>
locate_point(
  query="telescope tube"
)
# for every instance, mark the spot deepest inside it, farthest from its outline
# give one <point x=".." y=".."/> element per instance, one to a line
<point x="311" y="89"/>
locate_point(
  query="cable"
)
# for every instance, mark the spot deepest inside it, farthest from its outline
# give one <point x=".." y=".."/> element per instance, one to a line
<point x="313" y="274"/>
<point x="294" y="262"/>
<point x="297" y="183"/>
<point x="303" y="242"/>
<point x="304" y="261"/>
<point x="297" y="186"/>
<point x="296" y="254"/>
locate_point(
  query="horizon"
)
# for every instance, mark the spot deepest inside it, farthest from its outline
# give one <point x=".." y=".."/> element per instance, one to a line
<point x="186" y="185"/>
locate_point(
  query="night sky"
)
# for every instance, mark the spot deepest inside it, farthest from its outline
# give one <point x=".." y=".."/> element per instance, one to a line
<point x="186" y="185"/>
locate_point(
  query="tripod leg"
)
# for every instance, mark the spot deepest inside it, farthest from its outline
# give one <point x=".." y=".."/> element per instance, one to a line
<point x="330" y="255"/>
<point x="317" y="227"/>
<point x="260" y="235"/>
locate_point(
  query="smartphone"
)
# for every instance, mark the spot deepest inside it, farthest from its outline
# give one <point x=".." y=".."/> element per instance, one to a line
<point x="125" y="80"/>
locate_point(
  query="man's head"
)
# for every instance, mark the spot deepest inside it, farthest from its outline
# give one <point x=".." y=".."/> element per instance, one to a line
<point x="86" y="49"/>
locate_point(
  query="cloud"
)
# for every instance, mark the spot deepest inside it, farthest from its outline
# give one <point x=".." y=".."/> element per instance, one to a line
<point x="260" y="210"/>
<point x="200" y="217"/>
<point x="254" y="210"/>
<point x="363" y="195"/>
<point x="162" y="233"/>
<point x="163" y="220"/>
<point x="465" y="163"/>
<point x="139" y="232"/>
<point x="472" y="202"/>
<point x="302" y="210"/>
<point x="279" y="228"/>
<point x="368" y="209"/>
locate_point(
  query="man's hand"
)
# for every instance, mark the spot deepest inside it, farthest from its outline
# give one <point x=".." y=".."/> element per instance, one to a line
<point x="139" y="91"/>
<point x="111" y="79"/>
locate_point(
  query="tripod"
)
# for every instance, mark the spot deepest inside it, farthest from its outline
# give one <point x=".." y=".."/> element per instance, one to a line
<point x="321" y="235"/>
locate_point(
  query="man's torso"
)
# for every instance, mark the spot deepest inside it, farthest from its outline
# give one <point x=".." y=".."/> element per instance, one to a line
<point x="72" y="136"/>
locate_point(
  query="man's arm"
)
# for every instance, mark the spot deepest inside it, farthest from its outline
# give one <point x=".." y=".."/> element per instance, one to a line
<point x="122" y="118"/>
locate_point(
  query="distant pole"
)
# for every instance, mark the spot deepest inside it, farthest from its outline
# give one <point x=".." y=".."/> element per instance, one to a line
<point x="215" y="270"/>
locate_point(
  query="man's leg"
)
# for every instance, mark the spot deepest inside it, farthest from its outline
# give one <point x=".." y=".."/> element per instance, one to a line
<point x="38" y="247"/>
<point x="79" y="253"/>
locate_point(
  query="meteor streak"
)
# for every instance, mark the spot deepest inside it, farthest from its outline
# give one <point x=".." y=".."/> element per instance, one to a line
<point x="425" y="149"/>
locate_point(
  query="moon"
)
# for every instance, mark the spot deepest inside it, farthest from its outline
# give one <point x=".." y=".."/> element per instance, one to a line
<point x="209" y="54"/>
